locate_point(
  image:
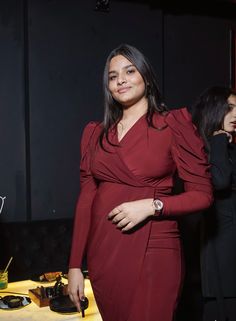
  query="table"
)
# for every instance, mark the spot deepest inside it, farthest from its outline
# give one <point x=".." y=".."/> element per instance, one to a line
<point x="33" y="312"/>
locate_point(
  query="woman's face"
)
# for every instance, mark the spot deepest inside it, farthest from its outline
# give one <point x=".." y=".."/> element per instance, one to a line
<point x="229" y="124"/>
<point x="125" y="83"/>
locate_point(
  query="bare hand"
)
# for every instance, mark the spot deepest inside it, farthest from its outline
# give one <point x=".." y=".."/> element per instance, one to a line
<point x="129" y="214"/>
<point x="221" y="131"/>
<point x="76" y="286"/>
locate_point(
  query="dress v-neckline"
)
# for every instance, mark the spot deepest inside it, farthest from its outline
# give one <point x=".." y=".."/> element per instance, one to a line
<point x="129" y="130"/>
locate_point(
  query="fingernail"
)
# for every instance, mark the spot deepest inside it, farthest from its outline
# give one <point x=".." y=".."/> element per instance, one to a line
<point x="82" y="298"/>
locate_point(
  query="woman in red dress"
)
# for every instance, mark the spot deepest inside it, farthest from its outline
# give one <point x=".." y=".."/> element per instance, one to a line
<point x="127" y="216"/>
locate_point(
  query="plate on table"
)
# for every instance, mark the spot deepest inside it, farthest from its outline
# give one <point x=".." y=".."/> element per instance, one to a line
<point x="12" y="302"/>
<point x="47" y="277"/>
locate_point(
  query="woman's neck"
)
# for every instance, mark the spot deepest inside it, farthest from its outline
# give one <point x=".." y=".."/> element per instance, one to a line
<point x="135" y="111"/>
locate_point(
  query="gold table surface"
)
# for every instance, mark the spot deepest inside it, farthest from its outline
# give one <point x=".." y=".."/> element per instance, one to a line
<point x="35" y="313"/>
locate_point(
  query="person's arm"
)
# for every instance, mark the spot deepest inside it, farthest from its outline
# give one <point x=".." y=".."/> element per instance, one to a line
<point x="221" y="167"/>
<point x="192" y="165"/>
<point x="193" y="168"/>
<point x="88" y="188"/>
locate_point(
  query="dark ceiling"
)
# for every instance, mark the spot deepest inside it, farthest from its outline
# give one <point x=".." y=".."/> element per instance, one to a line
<point x="220" y="8"/>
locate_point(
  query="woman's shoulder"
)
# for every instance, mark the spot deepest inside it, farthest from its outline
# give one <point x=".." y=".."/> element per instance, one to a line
<point x="185" y="137"/>
<point x="91" y="127"/>
<point x="91" y="130"/>
<point x="173" y="119"/>
<point x="180" y="120"/>
<point x="181" y="128"/>
<point x="179" y="115"/>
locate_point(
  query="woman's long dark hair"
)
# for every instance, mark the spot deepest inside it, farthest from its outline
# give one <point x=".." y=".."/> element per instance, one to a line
<point x="113" y="111"/>
<point x="209" y="110"/>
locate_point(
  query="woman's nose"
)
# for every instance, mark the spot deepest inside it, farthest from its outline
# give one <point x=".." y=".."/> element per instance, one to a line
<point x="121" y="80"/>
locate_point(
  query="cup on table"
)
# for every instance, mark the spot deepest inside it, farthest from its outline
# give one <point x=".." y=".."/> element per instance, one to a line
<point x="3" y="279"/>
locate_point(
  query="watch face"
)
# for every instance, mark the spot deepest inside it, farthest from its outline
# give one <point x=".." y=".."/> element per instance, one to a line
<point x="158" y="205"/>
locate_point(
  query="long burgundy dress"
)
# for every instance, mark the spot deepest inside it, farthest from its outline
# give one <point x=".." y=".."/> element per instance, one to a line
<point x="137" y="276"/>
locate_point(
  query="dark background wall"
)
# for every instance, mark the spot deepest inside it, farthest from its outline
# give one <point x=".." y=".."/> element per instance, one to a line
<point x="51" y="61"/>
<point x="12" y="111"/>
<point x="67" y="51"/>
<point x="52" y="57"/>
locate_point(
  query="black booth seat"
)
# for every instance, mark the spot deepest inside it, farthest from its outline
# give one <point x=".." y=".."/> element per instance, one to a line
<point x="36" y="247"/>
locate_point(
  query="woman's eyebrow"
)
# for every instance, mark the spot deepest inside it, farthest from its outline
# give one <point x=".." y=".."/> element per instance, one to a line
<point x="232" y="105"/>
<point x="125" y="67"/>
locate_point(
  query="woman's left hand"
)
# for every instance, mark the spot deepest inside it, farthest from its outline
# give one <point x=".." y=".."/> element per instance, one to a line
<point x="129" y="214"/>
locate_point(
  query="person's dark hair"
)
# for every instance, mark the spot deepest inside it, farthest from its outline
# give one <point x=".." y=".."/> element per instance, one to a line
<point x="113" y="111"/>
<point x="209" y="110"/>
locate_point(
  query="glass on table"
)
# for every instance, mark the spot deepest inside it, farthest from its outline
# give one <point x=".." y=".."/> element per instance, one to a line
<point x="3" y="279"/>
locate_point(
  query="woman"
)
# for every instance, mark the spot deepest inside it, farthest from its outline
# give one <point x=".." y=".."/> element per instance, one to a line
<point x="126" y="217"/>
<point x="214" y="114"/>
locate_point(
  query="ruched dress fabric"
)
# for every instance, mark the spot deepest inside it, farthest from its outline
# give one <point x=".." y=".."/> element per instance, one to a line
<point x="137" y="276"/>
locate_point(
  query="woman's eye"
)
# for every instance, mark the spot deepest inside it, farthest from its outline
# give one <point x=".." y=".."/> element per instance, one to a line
<point x="130" y="71"/>
<point x="112" y="77"/>
<point x="231" y="106"/>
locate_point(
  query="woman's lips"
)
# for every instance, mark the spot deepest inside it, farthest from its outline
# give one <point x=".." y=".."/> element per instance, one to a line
<point x="123" y="90"/>
<point x="233" y="123"/>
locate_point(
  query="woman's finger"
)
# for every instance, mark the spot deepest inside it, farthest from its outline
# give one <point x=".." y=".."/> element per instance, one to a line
<point x="128" y="227"/>
<point x="114" y="212"/>
<point x="122" y="223"/>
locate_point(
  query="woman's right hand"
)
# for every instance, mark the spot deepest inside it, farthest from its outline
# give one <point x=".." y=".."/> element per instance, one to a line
<point x="76" y="286"/>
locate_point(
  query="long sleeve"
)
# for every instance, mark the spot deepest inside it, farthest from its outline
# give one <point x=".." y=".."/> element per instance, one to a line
<point x="221" y="167"/>
<point x="88" y="188"/>
<point x="192" y="165"/>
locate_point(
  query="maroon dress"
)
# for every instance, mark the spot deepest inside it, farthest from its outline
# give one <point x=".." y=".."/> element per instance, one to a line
<point x="137" y="276"/>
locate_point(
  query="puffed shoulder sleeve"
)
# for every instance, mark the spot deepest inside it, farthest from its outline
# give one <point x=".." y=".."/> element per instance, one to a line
<point x="193" y="168"/>
<point x="88" y="188"/>
<point x="86" y="150"/>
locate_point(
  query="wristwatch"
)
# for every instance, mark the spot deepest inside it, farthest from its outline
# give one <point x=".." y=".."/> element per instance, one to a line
<point x="158" y="206"/>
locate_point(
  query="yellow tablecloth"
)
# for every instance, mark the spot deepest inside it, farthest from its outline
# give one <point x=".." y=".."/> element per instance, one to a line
<point x="34" y="313"/>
